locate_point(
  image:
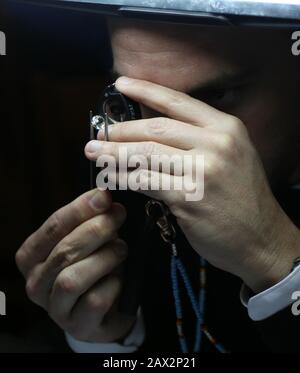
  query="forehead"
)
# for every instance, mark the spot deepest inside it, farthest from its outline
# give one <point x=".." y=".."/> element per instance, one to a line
<point x="156" y="36"/>
<point x="159" y="51"/>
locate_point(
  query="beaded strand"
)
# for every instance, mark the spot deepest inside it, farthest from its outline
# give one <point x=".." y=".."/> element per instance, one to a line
<point x="177" y="269"/>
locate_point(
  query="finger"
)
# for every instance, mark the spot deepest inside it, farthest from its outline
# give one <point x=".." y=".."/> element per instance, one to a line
<point x="91" y="309"/>
<point x="154" y="184"/>
<point x="172" y="103"/>
<point x="38" y="246"/>
<point x="174" y="190"/>
<point x="161" y="130"/>
<point x="77" y="279"/>
<point x="79" y="244"/>
<point x="147" y="154"/>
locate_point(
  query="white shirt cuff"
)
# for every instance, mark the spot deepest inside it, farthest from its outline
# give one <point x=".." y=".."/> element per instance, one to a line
<point x="131" y="343"/>
<point x="272" y="300"/>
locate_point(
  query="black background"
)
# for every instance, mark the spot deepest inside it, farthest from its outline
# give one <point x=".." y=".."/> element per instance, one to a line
<point x="54" y="71"/>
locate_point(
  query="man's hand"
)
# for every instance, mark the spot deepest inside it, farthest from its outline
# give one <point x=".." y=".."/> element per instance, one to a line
<point x="238" y="226"/>
<point x="72" y="266"/>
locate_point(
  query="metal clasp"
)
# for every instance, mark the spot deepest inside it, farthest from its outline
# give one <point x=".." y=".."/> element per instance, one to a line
<point x="167" y="230"/>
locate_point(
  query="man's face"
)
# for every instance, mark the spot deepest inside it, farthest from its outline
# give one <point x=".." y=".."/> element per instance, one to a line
<point x="250" y="74"/>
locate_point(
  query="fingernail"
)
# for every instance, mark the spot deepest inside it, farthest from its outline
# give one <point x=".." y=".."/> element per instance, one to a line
<point x="123" y="80"/>
<point x="96" y="202"/>
<point x="93" y="146"/>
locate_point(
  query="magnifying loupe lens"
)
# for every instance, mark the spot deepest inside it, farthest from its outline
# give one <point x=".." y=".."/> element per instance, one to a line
<point x="115" y="110"/>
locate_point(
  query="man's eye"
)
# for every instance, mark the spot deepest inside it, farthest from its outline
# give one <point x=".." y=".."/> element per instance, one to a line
<point x="223" y="98"/>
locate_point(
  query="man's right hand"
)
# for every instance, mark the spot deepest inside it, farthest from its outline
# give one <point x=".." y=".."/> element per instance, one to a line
<point x="73" y="264"/>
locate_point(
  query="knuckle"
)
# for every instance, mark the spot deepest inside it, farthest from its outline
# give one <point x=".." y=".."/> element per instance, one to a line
<point x="65" y="283"/>
<point x="157" y="126"/>
<point x="175" y="100"/>
<point x="101" y="227"/>
<point x="32" y="289"/>
<point x="234" y="124"/>
<point x="230" y="148"/>
<point x="53" y="226"/>
<point x="227" y="143"/>
<point x="212" y="170"/>
<point x="63" y="256"/>
<point x="20" y="259"/>
<point x="97" y="303"/>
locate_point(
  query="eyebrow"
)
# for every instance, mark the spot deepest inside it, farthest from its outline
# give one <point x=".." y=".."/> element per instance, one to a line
<point x="225" y="80"/>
